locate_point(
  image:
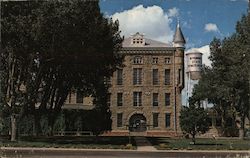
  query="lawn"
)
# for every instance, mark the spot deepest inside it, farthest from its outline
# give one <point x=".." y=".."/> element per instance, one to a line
<point x="201" y="144"/>
<point x="73" y="142"/>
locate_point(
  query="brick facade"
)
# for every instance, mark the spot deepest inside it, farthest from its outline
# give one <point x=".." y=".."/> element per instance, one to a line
<point x="147" y="88"/>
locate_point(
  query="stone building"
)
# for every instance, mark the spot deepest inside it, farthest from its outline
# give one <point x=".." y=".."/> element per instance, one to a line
<point x="145" y="94"/>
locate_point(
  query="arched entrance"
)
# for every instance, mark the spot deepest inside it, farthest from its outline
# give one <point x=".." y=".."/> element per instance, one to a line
<point x="137" y="123"/>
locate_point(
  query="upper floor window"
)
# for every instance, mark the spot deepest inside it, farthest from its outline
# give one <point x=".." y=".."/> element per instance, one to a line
<point x="155" y="77"/>
<point x="167" y="60"/>
<point x="154" y="60"/>
<point x="119" y="76"/>
<point x="167" y="76"/>
<point x="119" y="99"/>
<point x="137" y="98"/>
<point x="79" y="97"/>
<point x="138" y="60"/>
<point x="167" y="99"/>
<point x="137" y="76"/>
<point x="155" y="99"/>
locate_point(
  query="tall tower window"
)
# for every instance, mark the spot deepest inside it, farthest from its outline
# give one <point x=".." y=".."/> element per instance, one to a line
<point x="119" y="99"/>
<point x="155" y="99"/>
<point x="167" y="76"/>
<point x="179" y="76"/>
<point x="137" y="98"/>
<point x="155" y="77"/>
<point x="119" y="76"/>
<point x="137" y="76"/>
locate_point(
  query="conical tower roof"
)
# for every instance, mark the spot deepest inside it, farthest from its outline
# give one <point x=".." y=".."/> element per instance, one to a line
<point x="178" y="36"/>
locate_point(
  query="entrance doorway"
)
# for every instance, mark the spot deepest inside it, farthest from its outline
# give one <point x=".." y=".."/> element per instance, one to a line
<point x="137" y="123"/>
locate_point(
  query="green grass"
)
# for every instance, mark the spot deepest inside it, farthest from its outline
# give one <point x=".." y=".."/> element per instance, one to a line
<point x="201" y="144"/>
<point x="72" y="142"/>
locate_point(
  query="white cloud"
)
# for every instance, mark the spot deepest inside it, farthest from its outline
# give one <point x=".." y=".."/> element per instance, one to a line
<point x="205" y="50"/>
<point x="149" y="20"/>
<point x="210" y="27"/>
<point x="173" y="12"/>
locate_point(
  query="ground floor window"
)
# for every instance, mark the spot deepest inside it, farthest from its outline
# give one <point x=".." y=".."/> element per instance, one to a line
<point x="167" y="119"/>
<point x="155" y="119"/>
<point x="119" y="120"/>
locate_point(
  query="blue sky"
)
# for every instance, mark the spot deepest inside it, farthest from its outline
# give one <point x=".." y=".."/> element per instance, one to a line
<point x="200" y="20"/>
<point x="220" y="16"/>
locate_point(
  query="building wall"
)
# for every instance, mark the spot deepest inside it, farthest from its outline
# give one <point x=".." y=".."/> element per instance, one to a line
<point x="147" y="88"/>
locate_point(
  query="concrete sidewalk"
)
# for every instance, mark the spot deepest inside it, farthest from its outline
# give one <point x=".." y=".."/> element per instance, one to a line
<point x="143" y="144"/>
<point x="125" y="150"/>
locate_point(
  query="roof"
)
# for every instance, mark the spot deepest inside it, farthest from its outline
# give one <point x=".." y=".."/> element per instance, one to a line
<point x="178" y="36"/>
<point x="148" y="43"/>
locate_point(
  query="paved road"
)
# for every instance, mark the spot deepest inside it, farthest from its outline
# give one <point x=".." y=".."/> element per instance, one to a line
<point x="74" y="153"/>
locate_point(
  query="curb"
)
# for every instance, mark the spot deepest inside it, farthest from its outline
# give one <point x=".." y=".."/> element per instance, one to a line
<point x="125" y="150"/>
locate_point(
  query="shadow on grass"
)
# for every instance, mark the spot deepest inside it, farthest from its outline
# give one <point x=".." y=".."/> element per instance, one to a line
<point x="77" y="140"/>
<point x="205" y="144"/>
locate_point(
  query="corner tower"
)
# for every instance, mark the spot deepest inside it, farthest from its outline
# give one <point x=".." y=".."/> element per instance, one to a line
<point x="178" y="74"/>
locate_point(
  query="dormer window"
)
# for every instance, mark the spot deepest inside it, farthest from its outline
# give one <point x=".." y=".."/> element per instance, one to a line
<point x="138" y="60"/>
<point x="137" y="39"/>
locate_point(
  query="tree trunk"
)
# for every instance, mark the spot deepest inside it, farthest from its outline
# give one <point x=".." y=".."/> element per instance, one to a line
<point x="193" y="138"/>
<point x="13" y="127"/>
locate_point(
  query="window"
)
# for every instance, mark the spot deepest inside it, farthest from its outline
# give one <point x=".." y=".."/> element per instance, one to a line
<point x="155" y="119"/>
<point x="137" y="98"/>
<point x="167" y="76"/>
<point x="138" y="60"/>
<point x="179" y="76"/>
<point x="167" y="120"/>
<point x="167" y="99"/>
<point x="119" y="99"/>
<point x="79" y="97"/>
<point x="137" y="76"/>
<point x="155" y="99"/>
<point x="167" y="60"/>
<point x="119" y="76"/>
<point x="155" y="77"/>
<point x="119" y="120"/>
<point x="155" y="60"/>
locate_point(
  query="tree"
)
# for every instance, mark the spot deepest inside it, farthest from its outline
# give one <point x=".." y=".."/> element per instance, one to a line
<point x="227" y="83"/>
<point x="52" y="48"/>
<point x="194" y="120"/>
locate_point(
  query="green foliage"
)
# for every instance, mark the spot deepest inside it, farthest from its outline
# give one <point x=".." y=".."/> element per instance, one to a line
<point x="26" y="125"/>
<point x="227" y="83"/>
<point x="59" y="125"/>
<point x="194" y="120"/>
<point x="52" y="48"/>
